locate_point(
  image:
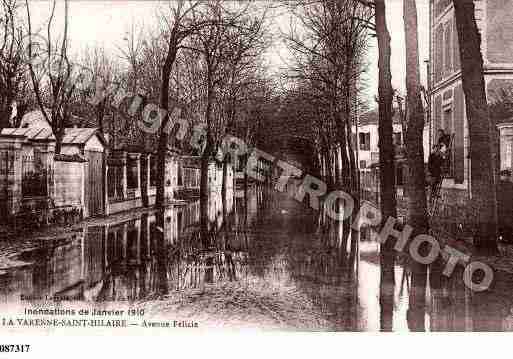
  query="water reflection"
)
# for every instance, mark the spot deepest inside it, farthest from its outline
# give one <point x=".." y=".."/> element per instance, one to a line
<point x="266" y="240"/>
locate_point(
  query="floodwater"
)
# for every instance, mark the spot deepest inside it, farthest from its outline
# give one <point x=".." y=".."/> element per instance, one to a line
<point x="259" y="260"/>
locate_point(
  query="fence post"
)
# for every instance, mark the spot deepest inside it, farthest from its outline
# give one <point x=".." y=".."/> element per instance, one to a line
<point x="122" y="157"/>
<point x="46" y="150"/>
<point x="171" y="175"/>
<point x="105" y="180"/>
<point x="11" y="173"/>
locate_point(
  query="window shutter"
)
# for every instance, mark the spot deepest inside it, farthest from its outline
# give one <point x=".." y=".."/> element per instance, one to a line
<point x="439" y="38"/>
<point x="437" y="117"/>
<point x="456" y="47"/>
<point x="458" y="144"/>
<point x="448" y="53"/>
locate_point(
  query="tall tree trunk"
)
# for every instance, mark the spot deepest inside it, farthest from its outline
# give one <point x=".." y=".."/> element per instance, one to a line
<point x="348" y="84"/>
<point x="387" y="188"/>
<point x="339" y="172"/>
<point x="205" y="157"/>
<point x="163" y="136"/>
<point x="386" y="294"/>
<point x="481" y="129"/>
<point x="385" y="130"/>
<point x="59" y="136"/>
<point x="416" y="179"/>
<point x="224" y="183"/>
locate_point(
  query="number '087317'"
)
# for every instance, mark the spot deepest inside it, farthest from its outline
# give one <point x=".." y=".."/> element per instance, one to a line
<point x="14" y="348"/>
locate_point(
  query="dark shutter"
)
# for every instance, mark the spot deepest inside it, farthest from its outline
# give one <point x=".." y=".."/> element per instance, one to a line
<point x="437" y="117"/>
<point x="456" y="48"/>
<point x="447" y="53"/>
<point x="439" y="38"/>
<point x="459" y="128"/>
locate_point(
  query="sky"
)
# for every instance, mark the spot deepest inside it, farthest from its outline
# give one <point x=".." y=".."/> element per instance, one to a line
<point x="106" y="23"/>
<point x="398" y="61"/>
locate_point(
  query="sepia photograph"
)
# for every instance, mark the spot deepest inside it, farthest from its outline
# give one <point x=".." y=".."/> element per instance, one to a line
<point x="186" y="166"/>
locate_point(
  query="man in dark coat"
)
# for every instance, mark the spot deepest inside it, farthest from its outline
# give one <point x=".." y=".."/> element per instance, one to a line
<point x="435" y="163"/>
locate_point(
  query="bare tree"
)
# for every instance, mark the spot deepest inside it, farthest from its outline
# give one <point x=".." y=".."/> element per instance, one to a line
<point x="53" y="82"/>
<point x="12" y="66"/>
<point x="329" y="47"/>
<point x="227" y="46"/>
<point x="102" y="71"/>
<point x="179" y="26"/>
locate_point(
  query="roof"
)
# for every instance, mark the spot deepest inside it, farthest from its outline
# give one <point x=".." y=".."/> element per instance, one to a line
<point x="79" y="136"/>
<point x="371" y="117"/>
<point x="31" y="133"/>
<point x="36" y="117"/>
<point x="72" y="136"/>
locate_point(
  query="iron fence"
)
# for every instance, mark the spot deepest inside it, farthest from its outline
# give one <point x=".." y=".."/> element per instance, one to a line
<point x="34" y="176"/>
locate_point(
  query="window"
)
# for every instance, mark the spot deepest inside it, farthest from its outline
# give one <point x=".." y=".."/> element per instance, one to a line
<point x="447" y="121"/>
<point x="448" y="48"/>
<point x="364" y="141"/>
<point x="363" y="164"/>
<point x="447" y="126"/>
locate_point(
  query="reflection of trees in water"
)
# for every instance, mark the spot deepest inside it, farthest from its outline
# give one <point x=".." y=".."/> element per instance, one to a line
<point x="150" y="255"/>
<point x="204" y="254"/>
<point x="324" y="266"/>
<point x="450" y="305"/>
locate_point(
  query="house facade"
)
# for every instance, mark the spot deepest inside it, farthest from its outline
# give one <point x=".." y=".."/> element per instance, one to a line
<point x="446" y="95"/>
<point x="365" y="138"/>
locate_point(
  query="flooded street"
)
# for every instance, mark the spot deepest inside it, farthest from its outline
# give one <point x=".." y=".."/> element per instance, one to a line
<point x="261" y="261"/>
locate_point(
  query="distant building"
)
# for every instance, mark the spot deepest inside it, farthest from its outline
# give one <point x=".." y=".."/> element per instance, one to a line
<point x="365" y="138"/>
<point x="367" y="141"/>
<point x="36" y="119"/>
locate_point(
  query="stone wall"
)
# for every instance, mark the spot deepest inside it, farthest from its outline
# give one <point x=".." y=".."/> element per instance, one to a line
<point x="453" y="218"/>
<point x="10" y="176"/>
<point x="69" y="184"/>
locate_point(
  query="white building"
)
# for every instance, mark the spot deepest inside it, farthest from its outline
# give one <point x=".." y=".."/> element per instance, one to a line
<point x="368" y="150"/>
